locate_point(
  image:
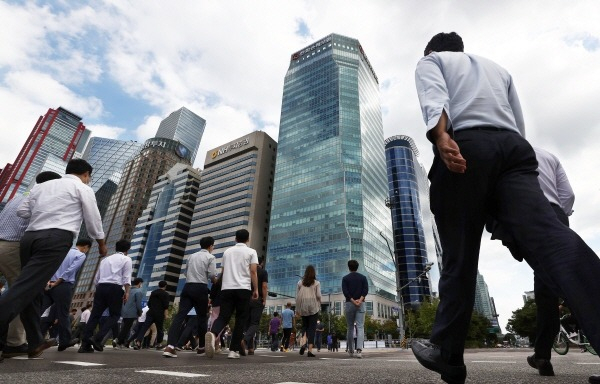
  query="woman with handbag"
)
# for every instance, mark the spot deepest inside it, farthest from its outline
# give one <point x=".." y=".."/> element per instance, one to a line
<point x="308" y="305"/>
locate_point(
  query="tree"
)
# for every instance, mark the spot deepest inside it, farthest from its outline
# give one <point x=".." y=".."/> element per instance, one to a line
<point x="523" y="320"/>
<point x="477" y="335"/>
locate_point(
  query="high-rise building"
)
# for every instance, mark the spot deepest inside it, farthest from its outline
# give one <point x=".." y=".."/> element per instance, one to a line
<point x="161" y="233"/>
<point x="59" y="133"/>
<point x="156" y="157"/>
<point x="184" y="126"/>
<point x="483" y="303"/>
<point x="235" y="193"/>
<point x="410" y="248"/>
<point x="108" y="158"/>
<point x="330" y="179"/>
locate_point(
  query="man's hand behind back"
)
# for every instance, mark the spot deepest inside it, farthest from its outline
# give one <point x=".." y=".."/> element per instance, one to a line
<point x="450" y="153"/>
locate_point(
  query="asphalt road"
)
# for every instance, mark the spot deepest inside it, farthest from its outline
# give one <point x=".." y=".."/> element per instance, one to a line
<point x="265" y="367"/>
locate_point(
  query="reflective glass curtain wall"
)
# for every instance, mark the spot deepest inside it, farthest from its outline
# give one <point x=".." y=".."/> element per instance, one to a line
<point x="330" y="178"/>
<point x="409" y="240"/>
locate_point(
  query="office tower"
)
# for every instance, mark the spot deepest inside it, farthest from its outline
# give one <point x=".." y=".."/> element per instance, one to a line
<point x="410" y="248"/>
<point x="108" y="157"/>
<point x="155" y="158"/>
<point x="330" y="179"/>
<point x="235" y="193"/>
<point x="59" y="133"/>
<point x="161" y="233"/>
<point x="432" y="237"/>
<point x="483" y="303"/>
<point x="184" y="126"/>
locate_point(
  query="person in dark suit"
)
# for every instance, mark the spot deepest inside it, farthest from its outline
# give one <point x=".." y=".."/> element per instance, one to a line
<point x="158" y="305"/>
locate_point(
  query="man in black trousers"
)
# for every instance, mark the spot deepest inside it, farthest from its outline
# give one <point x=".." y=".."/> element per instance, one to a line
<point x="483" y="167"/>
<point x="158" y="309"/>
<point x="113" y="280"/>
<point x="557" y="189"/>
<point x="200" y="268"/>
<point x="55" y="210"/>
<point x="60" y="291"/>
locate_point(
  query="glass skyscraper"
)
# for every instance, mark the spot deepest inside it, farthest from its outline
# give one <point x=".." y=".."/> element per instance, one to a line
<point x="184" y="126"/>
<point x="155" y="158"/>
<point x="330" y="179"/>
<point x="410" y="248"/>
<point x="108" y="157"/>
<point x="161" y="233"/>
<point x="59" y="132"/>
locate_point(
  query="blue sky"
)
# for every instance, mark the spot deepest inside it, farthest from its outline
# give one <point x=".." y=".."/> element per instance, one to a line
<point x="124" y="66"/>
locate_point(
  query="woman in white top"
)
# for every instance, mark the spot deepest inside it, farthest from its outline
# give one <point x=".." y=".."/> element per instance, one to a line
<point x="308" y="305"/>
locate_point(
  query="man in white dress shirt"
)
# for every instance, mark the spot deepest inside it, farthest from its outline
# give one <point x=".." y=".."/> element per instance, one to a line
<point x="557" y="189"/>
<point x="200" y="268"/>
<point x="12" y="229"/>
<point x="113" y="281"/>
<point x="483" y="167"/>
<point x="55" y="210"/>
<point x="240" y="284"/>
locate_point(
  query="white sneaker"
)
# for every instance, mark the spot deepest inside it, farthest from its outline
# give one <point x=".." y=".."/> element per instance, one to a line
<point x="233" y="355"/>
<point x="358" y="354"/>
<point x="351" y="353"/>
<point x="209" y="344"/>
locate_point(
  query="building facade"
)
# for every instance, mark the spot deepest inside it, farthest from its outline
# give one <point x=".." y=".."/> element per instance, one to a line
<point x="59" y="132"/>
<point x="410" y="248"/>
<point x="235" y="193"/>
<point x="108" y="158"/>
<point x="330" y="179"/>
<point x="483" y="302"/>
<point x="184" y="126"/>
<point x="131" y="197"/>
<point x="161" y="233"/>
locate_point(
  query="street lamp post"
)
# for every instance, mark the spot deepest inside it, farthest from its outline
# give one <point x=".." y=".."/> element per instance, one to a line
<point x="400" y="288"/>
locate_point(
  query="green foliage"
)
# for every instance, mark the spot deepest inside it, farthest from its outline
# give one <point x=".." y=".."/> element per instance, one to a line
<point x="523" y="320"/>
<point x="419" y="324"/>
<point x="477" y="335"/>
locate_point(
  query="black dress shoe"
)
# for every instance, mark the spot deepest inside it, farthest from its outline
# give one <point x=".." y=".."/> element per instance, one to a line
<point x="62" y="347"/>
<point x="594" y="379"/>
<point x="86" y="349"/>
<point x="430" y="356"/>
<point x="543" y="366"/>
<point x="9" y="352"/>
<point x="97" y="345"/>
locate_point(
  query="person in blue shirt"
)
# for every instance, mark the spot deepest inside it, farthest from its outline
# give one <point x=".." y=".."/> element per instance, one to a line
<point x="289" y="323"/>
<point x="60" y="290"/>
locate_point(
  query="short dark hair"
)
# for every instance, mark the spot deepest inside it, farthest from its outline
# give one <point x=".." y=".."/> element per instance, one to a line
<point x="242" y="235"/>
<point x="42" y="177"/>
<point x="78" y="167"/>
<point x="84" y="242"/>
<point x="353" y="265"/>
<point x="206" y="242"/>
<point x="162" y="284"/>
<point x="137" y="280"/>
<point x="122" y="245"/>
<point x="445" y="42"/>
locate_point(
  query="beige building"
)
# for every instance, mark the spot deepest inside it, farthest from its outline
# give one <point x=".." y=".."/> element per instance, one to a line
<point x="235" y="193"/>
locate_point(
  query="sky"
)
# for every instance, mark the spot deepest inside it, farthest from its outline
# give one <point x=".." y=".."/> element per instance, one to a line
<point x="123" y="66"/>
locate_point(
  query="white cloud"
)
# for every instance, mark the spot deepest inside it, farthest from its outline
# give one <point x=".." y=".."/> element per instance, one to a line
<point x="105" y="131"/>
